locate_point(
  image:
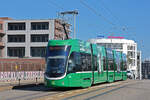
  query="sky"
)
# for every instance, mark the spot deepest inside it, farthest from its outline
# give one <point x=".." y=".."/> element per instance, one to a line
<point x="126" y="18"/>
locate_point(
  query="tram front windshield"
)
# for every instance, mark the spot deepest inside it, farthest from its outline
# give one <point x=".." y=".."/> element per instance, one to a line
<point x="56" y="61"/>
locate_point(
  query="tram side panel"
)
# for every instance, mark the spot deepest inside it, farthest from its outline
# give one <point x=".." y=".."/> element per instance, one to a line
<point x="117" y="64"/>
<point x="101" y="65"/>
<point x="82" y="76"/>
<point x="124" y="69"/>
<point x="110" y="65"/>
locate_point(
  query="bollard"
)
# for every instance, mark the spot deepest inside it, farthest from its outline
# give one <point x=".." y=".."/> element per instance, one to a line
<point x="19" y="81"/>
<point x="36" y="81"/>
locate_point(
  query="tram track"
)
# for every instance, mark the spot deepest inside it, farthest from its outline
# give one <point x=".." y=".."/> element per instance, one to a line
<point x="39" y="92"/>
<point x="99" y="92"/>
<point x="68" y="95"/>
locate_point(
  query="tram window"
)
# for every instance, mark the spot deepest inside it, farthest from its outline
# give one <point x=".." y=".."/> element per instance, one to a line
<point x="124" y="65"/>
<point x="71" y="64"/>
<point x="115" y="65"/>
<point x="77" y="58"/>
<point x="121" y="65"/>
<point x="110" y="64"/>
<point x="124" y="62"/>
<point x="95" y="63"/>
<point x="88" y="57"/>
<point x="118" y="62"/>
<point x="99" y="63"/>
<point x="104" y="62"/>
<point x="85" y="62"/>
<point x="74" y="62"/>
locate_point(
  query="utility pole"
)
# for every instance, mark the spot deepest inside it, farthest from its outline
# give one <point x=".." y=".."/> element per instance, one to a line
<point x="74" y="26"/>
<point x="140" y="67"/>
<point x="74" y="13"/>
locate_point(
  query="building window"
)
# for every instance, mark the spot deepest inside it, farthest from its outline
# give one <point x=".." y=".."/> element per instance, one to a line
<point x="112" y="45"/>
<point x="131" y="47"/>
<point x="16" y="26"/>
<point x="16" y="51"/>
<point x="138" y="57"/>
<point x="131" y="54"/>
<point x="117" y="46"/>
<point x="133" y="62"/>
<point x="39" y="38"/>
<point x="16" y="38"/>
<point x="38" y="51"/>
<point x="1" y="26"/>
<point x="39" y="25"/>
<point x="102" y="44"/>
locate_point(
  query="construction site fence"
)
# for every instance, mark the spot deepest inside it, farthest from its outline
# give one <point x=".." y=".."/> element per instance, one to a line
<point x="14" y="71"/>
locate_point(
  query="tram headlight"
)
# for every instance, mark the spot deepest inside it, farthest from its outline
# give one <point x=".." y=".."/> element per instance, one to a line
<point x="63" y="83"/>
<point x="53" y="82"/>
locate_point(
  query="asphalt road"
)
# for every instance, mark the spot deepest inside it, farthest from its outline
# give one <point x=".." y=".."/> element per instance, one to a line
<point x="134" y="90"/>
<point x="124" y="90"/>
<point x="24" y="93"/>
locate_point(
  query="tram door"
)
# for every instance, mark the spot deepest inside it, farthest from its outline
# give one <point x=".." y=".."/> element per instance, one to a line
<point x="110" y="65"/>
<point x="86" y="69"/>
<point x="95" y="69"/>
<point x="74" y="69"/>
<point x="92" y="64"/>
<point x="95" y="74"/>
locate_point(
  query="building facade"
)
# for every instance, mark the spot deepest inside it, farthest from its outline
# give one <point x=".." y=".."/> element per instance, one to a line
<point x="29" y="38"/>
<point x="146" y="69"/>
<point x="2" y="34"/>
<point x="1" y="37"/>
<point x="129" y="47"/>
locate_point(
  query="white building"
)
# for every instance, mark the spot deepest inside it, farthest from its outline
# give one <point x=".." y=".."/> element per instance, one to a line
<point x="28" y="38"/>
<point x="128" y="47"/>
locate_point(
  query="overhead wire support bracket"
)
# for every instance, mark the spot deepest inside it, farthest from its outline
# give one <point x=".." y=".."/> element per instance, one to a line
<point x="74" y="13"/>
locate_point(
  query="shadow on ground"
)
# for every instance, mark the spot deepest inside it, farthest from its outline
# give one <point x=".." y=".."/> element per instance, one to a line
<point x="41" y="87"/>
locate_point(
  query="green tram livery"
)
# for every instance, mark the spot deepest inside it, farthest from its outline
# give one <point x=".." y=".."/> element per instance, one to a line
<point x="75" y="63"/>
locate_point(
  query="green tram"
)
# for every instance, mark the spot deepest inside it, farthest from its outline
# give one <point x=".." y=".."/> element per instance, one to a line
<point x="76" y="63"/>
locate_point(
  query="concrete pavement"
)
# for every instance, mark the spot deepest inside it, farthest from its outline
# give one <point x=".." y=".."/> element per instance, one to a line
<point x="7" y="85"/>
